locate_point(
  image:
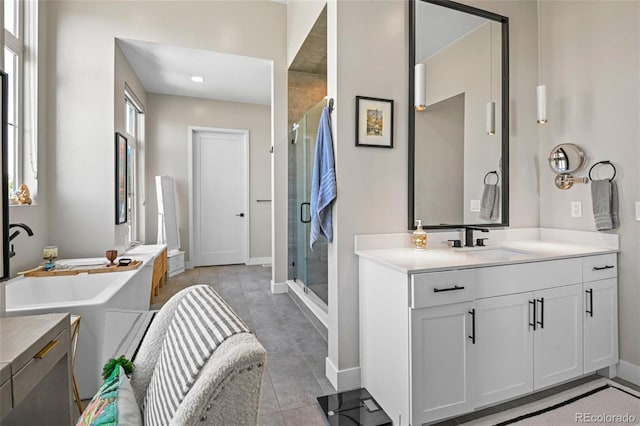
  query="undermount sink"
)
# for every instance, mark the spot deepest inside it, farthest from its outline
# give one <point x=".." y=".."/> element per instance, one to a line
<point x="493" y="252"/>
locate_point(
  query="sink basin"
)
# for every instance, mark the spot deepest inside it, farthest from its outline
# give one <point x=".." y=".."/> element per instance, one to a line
<point x="496" y="253"/>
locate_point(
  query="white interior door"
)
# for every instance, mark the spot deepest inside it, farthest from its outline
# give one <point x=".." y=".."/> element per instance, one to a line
<point x="219" y="198"/>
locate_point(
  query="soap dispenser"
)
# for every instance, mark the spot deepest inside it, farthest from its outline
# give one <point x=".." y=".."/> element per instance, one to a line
<point x="419" y="239"/>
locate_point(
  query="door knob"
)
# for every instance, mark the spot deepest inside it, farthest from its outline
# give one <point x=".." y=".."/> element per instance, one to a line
<point x="240" y="214"/>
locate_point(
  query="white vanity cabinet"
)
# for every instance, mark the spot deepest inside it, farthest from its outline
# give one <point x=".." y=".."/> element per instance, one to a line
<point x="531" y="339"/>
<point x="600" y="311"/>
<point x="434" y="345"/>
<point x="441" y="330"/>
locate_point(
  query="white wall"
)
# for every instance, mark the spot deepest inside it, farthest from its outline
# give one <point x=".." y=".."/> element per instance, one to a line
<point x="168" y="118"/>
<point x="81" y="82"/>
<point x="591" y="64"/>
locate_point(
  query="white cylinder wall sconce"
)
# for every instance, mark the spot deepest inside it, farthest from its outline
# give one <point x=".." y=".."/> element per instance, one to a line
<point x="491" y="118"/>
<point x="419" y="88"/>
<point x="541" y="96"/>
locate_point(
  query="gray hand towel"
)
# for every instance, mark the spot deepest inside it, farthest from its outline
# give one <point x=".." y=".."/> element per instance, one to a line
<point x="489" y="202"/>
<point x="604" y="197"/>
<point x="615" y="219"/>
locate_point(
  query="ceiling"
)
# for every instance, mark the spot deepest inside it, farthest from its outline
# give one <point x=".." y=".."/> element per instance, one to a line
<point x="312" y="56"/>
<point x="437" y="27"/>
<point x="168" y="69"/>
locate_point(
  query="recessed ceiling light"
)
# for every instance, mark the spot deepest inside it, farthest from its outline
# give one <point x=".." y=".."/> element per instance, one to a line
<point x="197" y="79"/>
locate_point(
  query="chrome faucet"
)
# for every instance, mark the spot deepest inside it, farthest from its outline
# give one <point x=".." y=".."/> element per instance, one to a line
<point x="468" y="235"/>
<point x="15" y="233"/>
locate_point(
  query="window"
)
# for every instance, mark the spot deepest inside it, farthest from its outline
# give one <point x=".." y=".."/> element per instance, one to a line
<point x="20" y="63"/>
<point x="133" y="128"/>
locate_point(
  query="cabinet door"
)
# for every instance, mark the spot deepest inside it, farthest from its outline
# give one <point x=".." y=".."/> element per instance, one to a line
<point x="440" y="362"/>
<point x="503" y="366"/>
<point x="600" y="324"/>
<point x="558" y="351"/>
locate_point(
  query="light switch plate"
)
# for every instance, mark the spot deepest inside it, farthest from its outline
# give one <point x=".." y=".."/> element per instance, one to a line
<point x="576" y="209"/>
<point x="475" y="205"/>
<point x="638" y="210"/>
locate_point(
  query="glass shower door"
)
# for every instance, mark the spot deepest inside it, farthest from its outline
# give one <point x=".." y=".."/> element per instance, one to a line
<point x="310" y="266"/>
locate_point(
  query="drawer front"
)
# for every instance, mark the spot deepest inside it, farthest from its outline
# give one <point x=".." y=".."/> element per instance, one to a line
<point x="176" y="262"/>
<point x="512" y="279"/>
<point x="599" y="267"/>
<point x="6" y="401"/>
<point x="442" y="288"/>
<point x="31" y="374"/>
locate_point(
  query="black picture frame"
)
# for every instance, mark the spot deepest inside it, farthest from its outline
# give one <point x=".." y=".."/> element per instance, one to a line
<point x="374" y="122"/>
<point x="121" y="184"/>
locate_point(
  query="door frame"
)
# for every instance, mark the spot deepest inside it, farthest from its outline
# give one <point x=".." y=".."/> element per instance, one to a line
<point x="190" y="173"/>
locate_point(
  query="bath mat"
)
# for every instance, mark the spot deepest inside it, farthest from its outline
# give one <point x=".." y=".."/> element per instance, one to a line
<point x="600" y="401"/>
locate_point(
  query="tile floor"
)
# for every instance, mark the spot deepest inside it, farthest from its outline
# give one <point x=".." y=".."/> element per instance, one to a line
<point x="295" y="349"/>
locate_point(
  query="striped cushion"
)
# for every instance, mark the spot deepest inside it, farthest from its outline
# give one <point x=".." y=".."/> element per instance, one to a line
<point x="202" y="321"/>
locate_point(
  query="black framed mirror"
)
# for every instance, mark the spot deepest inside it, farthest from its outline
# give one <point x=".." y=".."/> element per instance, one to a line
<point x="458" y="116"/>
<point x="4" y="193"/>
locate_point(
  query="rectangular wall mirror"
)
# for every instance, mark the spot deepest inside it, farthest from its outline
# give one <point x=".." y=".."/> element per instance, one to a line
<point x="4" y="193"/>
<point x="458" y="116"/>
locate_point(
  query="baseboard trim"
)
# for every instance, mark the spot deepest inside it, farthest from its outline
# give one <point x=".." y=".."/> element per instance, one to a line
<point x="259" y="261"/>
<point x="629" y="372"/>
<point x="279" y="288"/>
<point x="321" y="314"/>
<point x="342" y="380"/>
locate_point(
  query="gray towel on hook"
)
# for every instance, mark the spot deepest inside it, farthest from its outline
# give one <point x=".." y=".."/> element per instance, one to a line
<point x="604" y="198"/>
<point x="489" y="202"/>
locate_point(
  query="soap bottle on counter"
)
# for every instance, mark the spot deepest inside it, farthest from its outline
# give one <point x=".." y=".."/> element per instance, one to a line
<point x="419" y="239"/>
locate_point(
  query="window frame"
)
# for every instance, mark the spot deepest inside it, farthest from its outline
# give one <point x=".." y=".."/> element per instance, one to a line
<point x="135" y="188"/>
<point x="25" y="141"/>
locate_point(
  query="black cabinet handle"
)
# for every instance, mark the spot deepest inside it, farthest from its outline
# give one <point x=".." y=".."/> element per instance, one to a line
<point x="473" y="326"/>
<point x="454" y="288"/>
<point x="301" y="215"/>
<point x="533" y="324"/>
<point x="590" y="310"/>
<point x="601" y="268"/>
<point x="541" y="322"/>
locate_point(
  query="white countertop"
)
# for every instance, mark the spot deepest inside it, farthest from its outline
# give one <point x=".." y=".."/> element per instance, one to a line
<point x="410" y="261"/>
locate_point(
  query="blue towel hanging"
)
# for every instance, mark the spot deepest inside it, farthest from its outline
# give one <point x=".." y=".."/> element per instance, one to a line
<point x="323" y="182"/>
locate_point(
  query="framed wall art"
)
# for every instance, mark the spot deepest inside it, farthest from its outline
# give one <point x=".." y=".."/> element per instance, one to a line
<point x="121" y="178"/>
<point x="374" y="122"/>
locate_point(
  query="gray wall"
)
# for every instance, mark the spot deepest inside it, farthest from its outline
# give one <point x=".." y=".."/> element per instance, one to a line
<point x="439" y="166"/>
<point x="591" y="66"/>
<point x="168" y="118"/>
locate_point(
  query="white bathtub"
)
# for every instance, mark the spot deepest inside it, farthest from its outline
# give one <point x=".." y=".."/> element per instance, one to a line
<point x="91" y="296"/>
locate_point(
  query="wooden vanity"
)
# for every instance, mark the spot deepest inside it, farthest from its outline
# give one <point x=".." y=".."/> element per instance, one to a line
<point x="445" y="332"/>
<point x="35" y="370"/>
<point x="160" y="265"/>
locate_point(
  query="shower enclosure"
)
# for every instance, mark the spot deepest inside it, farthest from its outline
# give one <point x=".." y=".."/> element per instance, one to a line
<point x="307" y="268"/>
